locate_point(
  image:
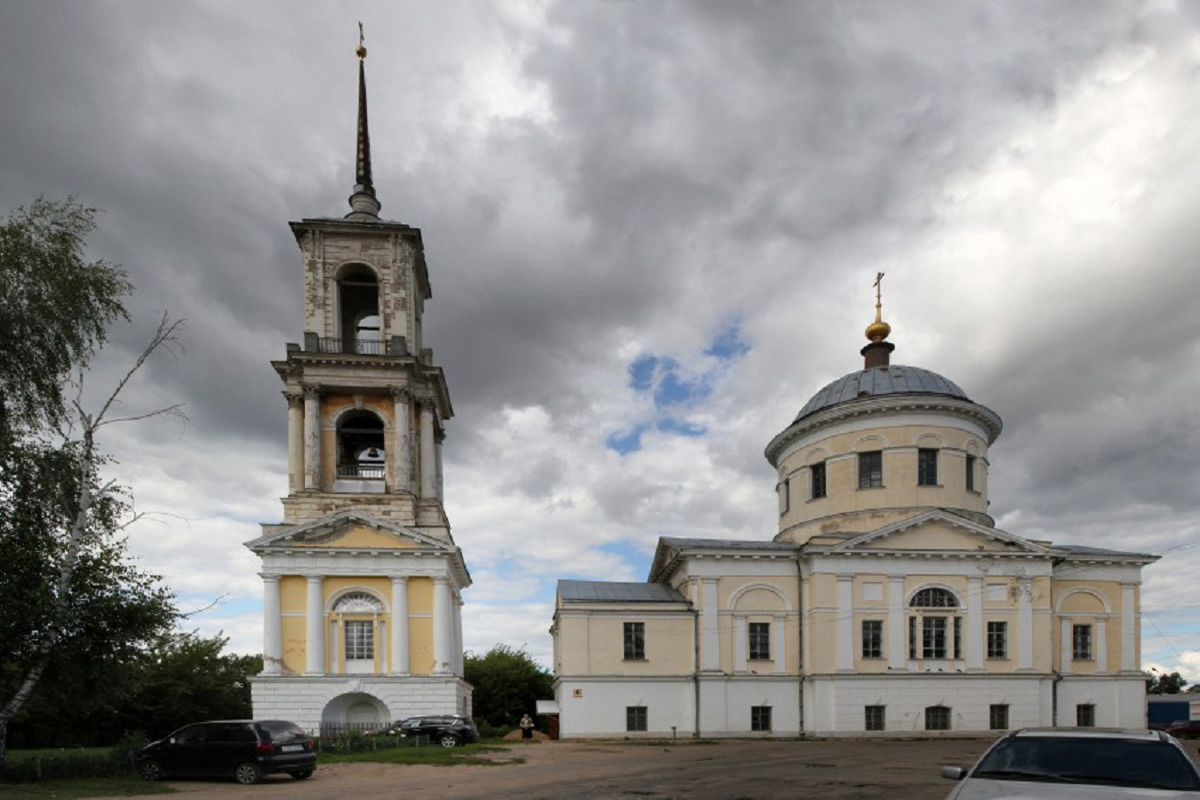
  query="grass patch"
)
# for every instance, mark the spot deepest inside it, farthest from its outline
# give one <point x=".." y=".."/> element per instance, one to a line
<point x="471" y="754"/>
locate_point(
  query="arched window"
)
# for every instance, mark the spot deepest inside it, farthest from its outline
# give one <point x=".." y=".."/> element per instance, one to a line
<point x="357" y="612"/>
<point x="934" y="625"/>
<point x="360" y="446"/>
<point x="358" y="307"/>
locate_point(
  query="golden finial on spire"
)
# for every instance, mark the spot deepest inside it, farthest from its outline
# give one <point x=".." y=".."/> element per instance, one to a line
<point x="361" y="51"/>
<point x="878" y="330"/>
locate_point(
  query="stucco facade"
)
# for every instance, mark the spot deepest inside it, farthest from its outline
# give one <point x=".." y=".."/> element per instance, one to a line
<point x="887" y="603"/>
<point x="362" y="581"/>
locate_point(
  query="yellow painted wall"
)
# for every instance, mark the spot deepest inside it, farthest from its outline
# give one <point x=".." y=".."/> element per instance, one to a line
<point x="805" y="517"/>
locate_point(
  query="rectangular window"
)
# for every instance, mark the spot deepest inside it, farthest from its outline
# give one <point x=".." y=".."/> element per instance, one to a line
<point x="997" y="640"/>
<point x="872" y="638"/>
<point x="760" y="641"/>
<point x="998" y="717"/>
<point x="870" y="470"/>
<point x="970" y="473"/>
<point x="875" y="717"/>
<point x="1081" y="642"/>
<point x="760" y="718"/>
<point x="785" y="496"/>
<point x="360" y="639"/>
<point x="912" y="637"/>
<point x="635" y="641"/>
<point x="1085" y="715"/>
<point x="937" y="718"/>
<point x="817" y="473"/>
<point x="927" y="459"/>
<point x="958" y="637"/>
<point x="933" y="637"/>
<point x="635" y="718"/>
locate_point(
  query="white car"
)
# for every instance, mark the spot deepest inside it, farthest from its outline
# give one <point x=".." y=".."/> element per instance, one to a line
<point x="1079" y="763"/>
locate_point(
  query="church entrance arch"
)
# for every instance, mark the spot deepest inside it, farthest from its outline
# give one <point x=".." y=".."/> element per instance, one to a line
<point x="354" y="711"/>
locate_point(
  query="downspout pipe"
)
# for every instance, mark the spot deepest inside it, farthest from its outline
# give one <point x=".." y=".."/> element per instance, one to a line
<point x="696" y="670"/>
<point x="1054" y="697"/>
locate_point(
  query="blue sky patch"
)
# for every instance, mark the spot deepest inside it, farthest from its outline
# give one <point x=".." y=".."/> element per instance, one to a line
<point x="673" y="389"/>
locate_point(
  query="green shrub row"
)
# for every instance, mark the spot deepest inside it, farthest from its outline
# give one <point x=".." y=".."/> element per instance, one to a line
<point x="72" y="764"/>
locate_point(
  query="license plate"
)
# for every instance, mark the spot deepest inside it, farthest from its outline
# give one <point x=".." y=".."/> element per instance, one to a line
<point x="292" y="748"/>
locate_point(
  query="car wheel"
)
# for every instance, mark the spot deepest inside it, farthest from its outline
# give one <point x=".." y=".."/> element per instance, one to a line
<point x="150" y="770"/>
<point x="448" y="740"/>
<point x="302" y="774"/>
<point x="247" y="773"/>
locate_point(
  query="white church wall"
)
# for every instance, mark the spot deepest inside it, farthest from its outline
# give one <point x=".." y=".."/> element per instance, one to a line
<point x="304" y="700"/>
<point x="597" y="708"/>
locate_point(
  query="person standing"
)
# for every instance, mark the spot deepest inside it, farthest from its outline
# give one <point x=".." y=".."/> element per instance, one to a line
<point x="526" y="728"/>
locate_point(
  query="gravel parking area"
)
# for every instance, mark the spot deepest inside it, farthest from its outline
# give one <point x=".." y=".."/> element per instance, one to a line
<point x="835" y="769"/>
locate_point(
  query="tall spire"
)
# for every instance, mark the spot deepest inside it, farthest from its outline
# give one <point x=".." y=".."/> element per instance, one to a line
<point x="363" y="204"/>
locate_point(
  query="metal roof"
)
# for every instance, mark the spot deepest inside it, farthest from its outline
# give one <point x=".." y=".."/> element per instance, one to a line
<point x="612" y="592"/>
<point x="892" y="379"/>
<point x="726" y="544"/>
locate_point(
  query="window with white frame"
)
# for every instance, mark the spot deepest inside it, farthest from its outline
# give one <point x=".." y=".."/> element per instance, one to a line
<point x="934" y="627"/>
<point x="870" y="469"/>
<point x="1081" y="642"/>
<point x="937" y="718"/>
<point x="872" y="638"/>
<point x="998" y="717"/>
<point x="635" y="641"/>
<point x="817" y="480"/>
<point x="760" y="641"/>
<point x="875" y="718"/>
<point x="760" y="718"/>
<point x="997" y="639"/>
<point x="927" y="466"/>
<point x="1085" y="715"/>
<point x="635" y="718"/>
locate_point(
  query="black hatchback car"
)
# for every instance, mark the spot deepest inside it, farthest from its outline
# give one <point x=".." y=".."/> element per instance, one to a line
<point x="448" y="730"/>
<point x="245" y="750"/>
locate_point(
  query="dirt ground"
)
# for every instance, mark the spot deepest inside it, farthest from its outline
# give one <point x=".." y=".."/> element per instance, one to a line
<point x="836" y="769"/>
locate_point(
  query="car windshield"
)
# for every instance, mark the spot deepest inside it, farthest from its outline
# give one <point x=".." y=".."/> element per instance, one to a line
<point x="1089" y="760"/>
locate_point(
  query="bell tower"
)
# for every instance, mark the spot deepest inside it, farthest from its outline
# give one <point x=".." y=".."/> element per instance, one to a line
<point x="362" y="579"/>
<point x="366" y="403"/>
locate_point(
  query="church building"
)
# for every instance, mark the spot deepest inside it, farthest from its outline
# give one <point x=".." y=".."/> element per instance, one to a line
<point x="362" y="581"/>
<point x="888" y="602"/>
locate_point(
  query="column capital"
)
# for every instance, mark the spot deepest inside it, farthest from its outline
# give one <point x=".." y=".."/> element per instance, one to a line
<point x="311" y="389"/>
<point x="402" y="394"/>
<point x="294" y="399"/>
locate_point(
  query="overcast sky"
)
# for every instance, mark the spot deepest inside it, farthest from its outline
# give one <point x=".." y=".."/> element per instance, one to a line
<point x="652" y="230"/>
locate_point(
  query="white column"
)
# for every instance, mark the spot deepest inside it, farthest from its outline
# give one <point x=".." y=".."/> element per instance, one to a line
<point x="295" y="403"/>
<point x="402" y="444"/>
<point x="314" y="630"/>
<point x="845" y="623"/>
<point x="739" y="644"/>
<point x="439" y="437"/>
<point x="896" y="629"/>
<point x="312" y="438"/>
<point x="778" y="651"/>
<point x="399" y="625"/>
<point x="443" y="635"/>
<point x="1129" y="654"/>
<point x="1025" y="623"/>
<point x="710" y="637"/>
<point x="427" y="454"/>
<point x="272" y="627"/>
<point x="1101" y="646"/>
<point x="975" y="633"/>
<point x="1065" y="666"/>
<point x="458" y="637"/>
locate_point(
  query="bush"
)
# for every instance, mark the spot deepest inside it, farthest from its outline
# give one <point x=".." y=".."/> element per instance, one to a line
<point x="80" y="763"/>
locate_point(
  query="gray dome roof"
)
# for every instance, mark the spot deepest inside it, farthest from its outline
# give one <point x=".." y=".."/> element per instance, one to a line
<point x="892" y="379"/>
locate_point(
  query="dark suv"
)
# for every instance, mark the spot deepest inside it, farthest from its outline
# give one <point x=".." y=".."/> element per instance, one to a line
<point x="448" y="730"/>
<point x="246" y="750"/>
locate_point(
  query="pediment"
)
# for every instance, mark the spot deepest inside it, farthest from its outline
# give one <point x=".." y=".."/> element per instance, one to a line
<point x="347" y="530"/>
<point x="940" y="531"/>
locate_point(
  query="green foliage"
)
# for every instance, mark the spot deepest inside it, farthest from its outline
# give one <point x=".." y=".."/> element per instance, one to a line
<point x="76" y="612"/>
<point x="508" y="683"/>
<point x="55" y="310"/>
<point x="1163" y="683"/>
<point x="182" y="678"/>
